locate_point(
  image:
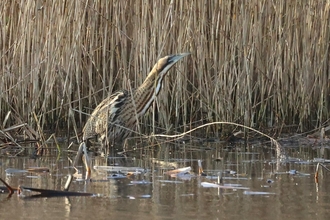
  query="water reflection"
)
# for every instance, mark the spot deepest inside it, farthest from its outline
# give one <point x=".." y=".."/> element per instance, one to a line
<point x="268" y="191"/>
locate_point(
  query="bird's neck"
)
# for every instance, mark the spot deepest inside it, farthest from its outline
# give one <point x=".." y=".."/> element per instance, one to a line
<point x="147" y="92"/>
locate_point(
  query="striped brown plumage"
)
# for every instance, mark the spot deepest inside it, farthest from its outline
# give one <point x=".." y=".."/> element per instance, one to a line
<point x="114" y="118"/>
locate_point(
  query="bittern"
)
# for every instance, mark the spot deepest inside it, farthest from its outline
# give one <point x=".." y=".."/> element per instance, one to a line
<point x="116" y="116"/>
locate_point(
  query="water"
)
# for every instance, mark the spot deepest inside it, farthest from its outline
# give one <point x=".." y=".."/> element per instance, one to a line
<point x="268" y="190"/>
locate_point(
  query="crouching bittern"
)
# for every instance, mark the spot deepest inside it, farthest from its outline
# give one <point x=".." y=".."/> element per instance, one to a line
<point x="114" y="118"/>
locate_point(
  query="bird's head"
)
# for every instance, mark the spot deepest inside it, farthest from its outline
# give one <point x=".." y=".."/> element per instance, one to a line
<point x="151" y="86"/>
<point x="165" y="63"/>
<point x="161" y="68"/>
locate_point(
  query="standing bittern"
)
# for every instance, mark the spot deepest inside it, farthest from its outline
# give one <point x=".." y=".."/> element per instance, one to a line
<point x="115" y="117"/>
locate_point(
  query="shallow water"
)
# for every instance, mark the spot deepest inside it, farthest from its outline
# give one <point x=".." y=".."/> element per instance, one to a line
<point x="268" y="190"/>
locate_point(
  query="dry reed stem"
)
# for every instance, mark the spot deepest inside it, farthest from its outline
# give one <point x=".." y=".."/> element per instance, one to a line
<point x="257" y="63"/>
<point x="280" y="151"/>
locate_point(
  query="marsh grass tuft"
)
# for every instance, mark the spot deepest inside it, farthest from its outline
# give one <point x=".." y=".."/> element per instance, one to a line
<point x="258" y="63"/>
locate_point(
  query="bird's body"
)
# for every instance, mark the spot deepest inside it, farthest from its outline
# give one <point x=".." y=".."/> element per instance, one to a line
<point x="106" y="122"/>
<point x="114" y="118"/>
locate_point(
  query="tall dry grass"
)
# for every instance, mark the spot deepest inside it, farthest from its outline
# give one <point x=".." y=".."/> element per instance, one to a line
<point x="260" y="63"/>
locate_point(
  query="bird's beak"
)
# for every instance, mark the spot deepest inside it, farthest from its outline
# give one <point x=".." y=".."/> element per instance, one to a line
<point x="176" y="57"/>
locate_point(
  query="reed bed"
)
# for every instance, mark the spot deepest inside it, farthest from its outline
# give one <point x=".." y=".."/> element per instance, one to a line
<point x="260" y="63"/>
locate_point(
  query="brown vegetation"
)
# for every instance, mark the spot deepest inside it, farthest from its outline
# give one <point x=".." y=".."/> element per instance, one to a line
<point x="259" y="63"/>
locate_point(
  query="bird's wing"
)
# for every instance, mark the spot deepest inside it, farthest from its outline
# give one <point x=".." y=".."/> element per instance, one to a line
<point x="105" y="112"/>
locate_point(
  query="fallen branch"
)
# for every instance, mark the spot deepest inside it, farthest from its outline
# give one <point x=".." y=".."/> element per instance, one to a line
<point x="280" y="152"/>
<point x="43" y="192"/>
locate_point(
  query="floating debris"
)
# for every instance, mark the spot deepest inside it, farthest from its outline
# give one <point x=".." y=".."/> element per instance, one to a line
<point x="11" y="171"/>
<point x="42" y="193"/>
<point x="169" y="181"/>
<point x="233" y="184"/>
<point x="50" y="193"/>
<point x="142" y="182"/>
<point x="270" y="181"/>
<point x="145" y="196"/>
<point x="181" y="173"/>
<point x="257" y="193"/>
<point x="232" y="172"/>
<point x="177" y="171"/>
<point x="119" y="169"/>
<point x="38" y="169"/>
<point x="141" y="196"/>
<point x="165" y="164"/>
<point x="292" y="172"/>
<point x="120" y="172"/>
<point x="320" y="160"/>
<point x="183" y="176"/>
<point x="280" y="173"/>
<point x="304" y="162"/>
<point x="117" y="176"/>
<point x="235" y="178"/>
<point x="33" y="177"/>
<point x="225" y="186"/>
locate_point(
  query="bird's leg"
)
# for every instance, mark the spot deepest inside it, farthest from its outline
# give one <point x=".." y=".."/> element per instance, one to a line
<point x="78" y="156"/>
<point x="87" y="162"/>
<point x="83" y="154"/>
